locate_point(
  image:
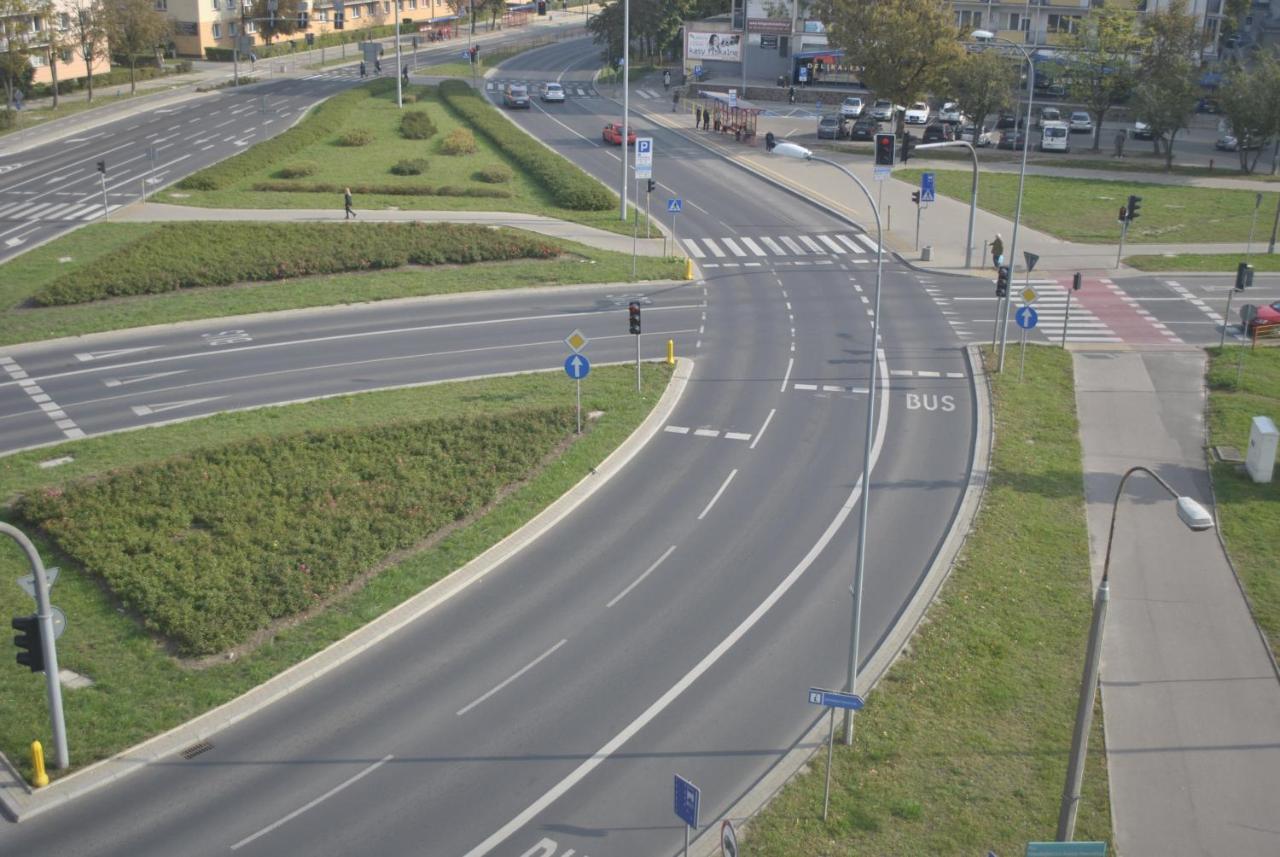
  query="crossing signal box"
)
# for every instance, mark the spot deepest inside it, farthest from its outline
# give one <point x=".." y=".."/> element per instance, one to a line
<point x="1135" y="202"/>
<point x="1076" y="282"/>
<point x="908" y="146"/>
<point x="1244" y="276"/>
<point x="28" y="640"/>
<point x="102" y="167"/>
<point x="633" y="312"/>
<point x="915" y="197"/>
<point x="884" y="150"/>
<point x="652" y="186"/>
<point x="1002" y="281"/>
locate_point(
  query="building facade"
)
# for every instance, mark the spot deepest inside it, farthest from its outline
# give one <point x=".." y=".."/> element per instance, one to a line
<point x="51" y="40"/>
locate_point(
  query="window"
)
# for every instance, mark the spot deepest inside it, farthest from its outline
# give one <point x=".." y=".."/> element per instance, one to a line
<point x="217" y="30"/>
<point x="231" y="29"/>
<point x="162" y="5"/>
<point x="1063" y="23"/>
<point x="250" y="26"/>
<point x="217" y="5"/>
<point x="967" y="20"/>
<point x="66" y="55"/>
<point x="1018" y="21"/>
<point x="64" y="23"/>
<point x="355" y="11"/>
<point x="386" y="7"/>
<point x="37" y="60"/>
<point x="413" y="4"/>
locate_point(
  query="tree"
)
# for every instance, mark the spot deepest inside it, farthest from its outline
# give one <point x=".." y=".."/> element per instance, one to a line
<point x="134" y="28"/>
<point x="1165" y="97"/>
<point x="1099" y="62"/>
<point x="57" y="39"/>
<point x="283" y="22"/>
<point x="982" y="82"/>
<point x="88" y="32"/>
<point x="905" y="47"/>
<point x="1251" y="100"/>
<point x="16" y="28"/>
<point x="606" y="30"/>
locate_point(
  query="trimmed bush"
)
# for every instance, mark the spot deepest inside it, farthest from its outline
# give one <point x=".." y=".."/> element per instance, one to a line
<point x="356" y="137"/>
<point x="192" y="255"/>
<point x="410" y="167"/>
<point x="301" y="169"/>
<point x="409" y="98"/>
<point x="212" y="547"/>
<point x="417" y="125"/>
<point x="387" y="189"/>
<point x="569" y="185"/>
<point x="496" y="174"/>
<point x="459" y="141"/>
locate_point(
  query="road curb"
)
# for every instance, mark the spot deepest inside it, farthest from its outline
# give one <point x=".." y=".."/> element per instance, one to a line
<point x="19" y="802"/>
<point x="895" y="640"/>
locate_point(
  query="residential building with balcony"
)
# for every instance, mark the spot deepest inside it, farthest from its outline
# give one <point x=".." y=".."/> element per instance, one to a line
<point x="52" y="40"/>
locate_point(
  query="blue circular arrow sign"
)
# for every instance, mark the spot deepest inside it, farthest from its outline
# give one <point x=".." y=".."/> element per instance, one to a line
<point x="1026" y="317"/>
<point x="576" y="366"/>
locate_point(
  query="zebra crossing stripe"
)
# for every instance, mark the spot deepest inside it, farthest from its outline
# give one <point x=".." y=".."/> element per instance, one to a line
<point x="813" y="245"/>
<point x="865" y="240"/>
<point x="733" y="248"/>
<point x="713" y="247"/>
<point x="835" y="248"/>
<point x="845" y="239"/>
<point x="796" y="250"/>
<point x="754" y="247"/>
<point x="774" y="246"/>
<point x="57" y="211"/>
<point x="693" y="248"/>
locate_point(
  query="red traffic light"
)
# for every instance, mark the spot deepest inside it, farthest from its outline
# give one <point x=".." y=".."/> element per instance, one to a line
<point x="633" y="313"/>
<point x="884" y="150"/>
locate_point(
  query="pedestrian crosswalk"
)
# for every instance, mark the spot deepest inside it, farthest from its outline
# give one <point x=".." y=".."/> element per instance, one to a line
<point x="856" y="247"/>
<point x="578" y="90"/>
<point x="50" y="211"/>
<point x="1055" y="309"/>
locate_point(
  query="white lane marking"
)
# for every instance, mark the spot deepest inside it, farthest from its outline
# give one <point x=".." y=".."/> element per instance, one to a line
<point x="793" y="246"/>
<point x="86" y="356"/>
<point x="835" y="248"/>
<point x="709" y="660"/>
<point x="713" y="247"/>
<point x="693" y="248"/>
<point x="736" y="435"/>
<point x="806" y="386"/>
<point x="330" y="793"/>
<point x="148" y="410"/>
<point x="760" y="433"/>
<point x="812" y="245"/>
<point x="533" y="663"/>
<point x="753" y="246"/>
<point x="866" y="240"/>
<point x="707" y="432"/>
<point x="786" y="376"/>
<point x="774" y="246"/>
<point x="136" y="379"/>
<point x="637" y="581"/>
<point x="732" y="473"/>
<point x="677" y="429"/>
<point x="733" y="248"/>
<point x="928" y="373"/>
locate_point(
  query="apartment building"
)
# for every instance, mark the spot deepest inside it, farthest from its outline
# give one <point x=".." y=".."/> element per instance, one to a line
<point x="52" y="40"/>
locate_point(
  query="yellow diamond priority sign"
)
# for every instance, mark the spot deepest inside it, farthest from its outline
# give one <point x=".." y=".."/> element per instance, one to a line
<point x="576" y="341"/>
<point x="1029" y="295"/>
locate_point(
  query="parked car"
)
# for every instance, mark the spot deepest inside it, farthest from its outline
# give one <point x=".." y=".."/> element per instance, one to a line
<point x="1055" y="137"/>
<point x="1047" y="115"/>
<point x="1006" y="121"/>
<point x="851" y="108"/>
<point x="918" y="114"/>
<point x="979" y="138"/>
<point x="1141" y="130"/>
<point x="884" y="110"/>
<point x="1229" y="143"/>
<point x="938" y="132"/>
<point x="552" y="92"/>
<point x="950" y="113"/>
<point x="831" y="127"/>
<point x="865" y="128"/>
<point x="613" y="134"/>
<point x="1208" y="105"/>
<point x="1014" y="140"/>
<point x="515" y="95"/>
<point x="1081" y="122"/>
<point x="1252" y="317"/>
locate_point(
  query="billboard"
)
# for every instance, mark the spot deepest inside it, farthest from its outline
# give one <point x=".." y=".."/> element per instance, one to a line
<point x="726" y="47"/>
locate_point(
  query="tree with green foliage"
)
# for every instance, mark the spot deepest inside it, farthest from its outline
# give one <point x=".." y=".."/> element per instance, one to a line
<point x="135" y="29"/>
<point x="16" y="33"/>
<point x="284" y="22"/>
<point x="906" y="48"/>
<point x="1251" y="100"/>
<point x="1100" y="58"/>
<point x="1165" y="96"/>
<point x="982" y="82"/>
<point x="56" y="39"/>
<point x="90" y="35"/>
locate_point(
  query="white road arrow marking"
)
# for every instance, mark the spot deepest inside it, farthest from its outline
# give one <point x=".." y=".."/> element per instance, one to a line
<point x="86" y="356"/>
<point x="121" y="382"/>
<point x="148" y="410"/>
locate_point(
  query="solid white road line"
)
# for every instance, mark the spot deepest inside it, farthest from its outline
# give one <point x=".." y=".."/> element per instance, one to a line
<point x="786" y="376"/>
<point x="728" y="479"/>
<point x="637" y="581"/>
<point x="533" y="663"/>
<point x="760" y="433"/>
<point x="297" y="812"/>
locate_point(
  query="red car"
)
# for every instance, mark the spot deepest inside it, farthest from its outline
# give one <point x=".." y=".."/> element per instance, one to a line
<point x="1264" y="315"/>
<point x="613" y="134"/>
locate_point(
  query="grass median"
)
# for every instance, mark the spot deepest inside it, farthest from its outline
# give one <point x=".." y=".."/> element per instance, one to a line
<point x="1084" y="210"/>
<point x="1207" y="262"/>
<point x="1245" y="383"/>
<point x="962" y="748"/>
<point x="140" y="689"/>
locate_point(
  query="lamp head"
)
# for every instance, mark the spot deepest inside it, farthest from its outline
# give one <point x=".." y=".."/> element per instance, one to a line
<point x="792" y="150"/>
<point x="1194" y="515"/>
<point x="982" y="35"/>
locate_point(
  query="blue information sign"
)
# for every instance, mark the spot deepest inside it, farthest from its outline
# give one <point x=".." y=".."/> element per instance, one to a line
<point x="835" y="699"/>
<point x="644" y="145"/>
<point x="674" y="205"/>
<point x="1066" y="849"/>
<point x="577" y="366"/>
<point x="927" y="193"/>
<point x="1026" y="317"/>
<point x="687" y="796"/>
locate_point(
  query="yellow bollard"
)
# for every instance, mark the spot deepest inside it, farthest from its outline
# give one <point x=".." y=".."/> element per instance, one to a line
<point x="688" y="269"/>
<point x="671" y="352"/>
<point x="41" y="779"/>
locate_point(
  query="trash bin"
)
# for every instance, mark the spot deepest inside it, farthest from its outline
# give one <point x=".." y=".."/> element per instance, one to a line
<point x="926" y="253"/>
<point x="1260" y="460"/>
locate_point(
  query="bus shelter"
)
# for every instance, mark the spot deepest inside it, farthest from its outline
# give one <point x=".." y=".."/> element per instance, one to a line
<point x="729" y="115"/>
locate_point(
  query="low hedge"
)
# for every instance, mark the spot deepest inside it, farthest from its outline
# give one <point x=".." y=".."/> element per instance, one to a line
<point x="386" y="189"/>
<point x="298" y="170"/>
<point x="417" y="125"/>
<point x="210" y="548"/>
<point x="410" y="166"/>
<point x="325" y="121"/>
<point x="459" y="141"/>
<point x="495" y="174"/>
<point x="192" y="255"/>
<point x="569" y="185"/>
<point x="356" y="137"/>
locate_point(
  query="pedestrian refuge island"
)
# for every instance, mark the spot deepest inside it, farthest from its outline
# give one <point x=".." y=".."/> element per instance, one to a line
<point x="729" y="115"/>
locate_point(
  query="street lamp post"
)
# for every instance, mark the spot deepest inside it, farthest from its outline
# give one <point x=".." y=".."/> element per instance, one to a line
<point x="626" y="99"/>
<point x="792" y="150"/>
<point x="1197" y="518"/>
<point x="987" y="35"/>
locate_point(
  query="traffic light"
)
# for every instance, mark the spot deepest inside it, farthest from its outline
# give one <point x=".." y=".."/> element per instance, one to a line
<point x="1244" y="276"/>
<point x="1002" y="281"/>
<point x="1131" y="212"/>
<point x="769" y="141"/>
<point x="102" y="166"/>
<point x="884" y="150"/>
<point x="29" y="640"/>
<point x="915" y="197"/>
<point x="908" y="146"/>
<point x="542" y="7"/>
<point x="1124" y="214"/>
<point x="652" y="186"/>
<point x="633" y="312"/>
<point x="1076" y="282"/>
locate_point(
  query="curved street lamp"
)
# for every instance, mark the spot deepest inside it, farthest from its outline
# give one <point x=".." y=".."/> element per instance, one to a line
<point x="792" y="150"/>
<point x="1197" y="518"/>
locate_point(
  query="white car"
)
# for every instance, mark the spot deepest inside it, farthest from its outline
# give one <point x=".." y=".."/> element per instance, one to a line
<point x="978" y="137"/>
<point x="950" y="113"/>
<point x="918" y="114"/>
<point x="851" y="108"/>
<point x="552" y="92"/>
<point x="1141" y="130"/>
<point x="1081" y="122"/>
<point x="884" y="110"/>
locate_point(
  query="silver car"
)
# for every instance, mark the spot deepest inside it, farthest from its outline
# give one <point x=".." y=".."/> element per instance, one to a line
<point x="552" y="92"/>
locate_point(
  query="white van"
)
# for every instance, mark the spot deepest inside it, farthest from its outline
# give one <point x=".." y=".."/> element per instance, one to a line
<point x="1055" y="137"/>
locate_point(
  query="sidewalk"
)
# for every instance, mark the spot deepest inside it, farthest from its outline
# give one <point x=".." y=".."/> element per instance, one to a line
<point x="1191" y="700"/>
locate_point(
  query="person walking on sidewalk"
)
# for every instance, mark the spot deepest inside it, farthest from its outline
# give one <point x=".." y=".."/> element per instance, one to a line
<point x="1121" y="136"/>
<point x="997" y="251"/>
<point x="666" y="79"/>
<point x="346" y="203"/>
<point x="697" y="116"/>
<point x="675" y="101"/>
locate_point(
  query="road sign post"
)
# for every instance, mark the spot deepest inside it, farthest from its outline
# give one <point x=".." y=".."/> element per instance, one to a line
<point x="673" y="208"/>
<point x="832" y="699"/>
<point x="577" y="366"/>
<point x="1076" y="282"/>
<point x="687" y="798"/>
<point x="1026" y="318"/>
<point x="728" y="840"/>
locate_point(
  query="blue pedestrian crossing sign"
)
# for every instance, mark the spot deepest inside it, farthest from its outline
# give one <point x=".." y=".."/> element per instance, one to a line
<point x="577" y="366"/>
<point x="927" y="193"/>
<point x="1026" y="317"/>
<point x="674" y="205"/>
<point x="687" y="798"/>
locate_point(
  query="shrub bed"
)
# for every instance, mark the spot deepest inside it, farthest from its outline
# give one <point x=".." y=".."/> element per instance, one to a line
<point x="569" y="185"/>
<point x="191" y="255"/>
<point x="386" y="189"/>
<point x="417" y="125"/>
<point x="459" y="141"/>
<point x="410" y="167"/>
<point x="356" y="137"/>
<point x="301" y="169"/>
<point x="496" y="174"/>
<point x="212" y="547"/>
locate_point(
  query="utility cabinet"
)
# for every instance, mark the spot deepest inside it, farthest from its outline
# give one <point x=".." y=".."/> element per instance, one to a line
<point x="1260" y="460"/>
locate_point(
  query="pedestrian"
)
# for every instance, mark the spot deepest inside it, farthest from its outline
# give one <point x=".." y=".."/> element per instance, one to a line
<point x="363" y="71"/>
<point x="675" y="101"/>
<point x="791" y="94"/>
<point x="404" y="73"/>
<point x="706" y="120"/>
<point x="666" y="79"/>
<point x="997" y="251"/>
<point x="1121" y="136"/>
<point x="377" y="67"/>
<point x="346" y="202"/>
<point x="697" y="116"/>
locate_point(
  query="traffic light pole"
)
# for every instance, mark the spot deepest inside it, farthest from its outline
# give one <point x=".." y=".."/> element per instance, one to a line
<point x="626" y="106"/>
<point x="973" y="193"/>
<point x="1124" y="230"/>
<point x="44" y="614"/>
<point x="399" y="68"/>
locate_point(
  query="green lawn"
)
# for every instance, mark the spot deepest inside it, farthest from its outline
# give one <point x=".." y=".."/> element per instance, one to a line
<point x="139" y="689"/>
<point x="1084" y="210"/>
<point x="25" y="275"/>
<point x="1210" y="262"/>
<point x="1245" y="383"/>
<point x="963" y="746"/>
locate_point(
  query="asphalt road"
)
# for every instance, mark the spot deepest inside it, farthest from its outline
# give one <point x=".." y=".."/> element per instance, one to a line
<point x="670" y="625"/>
